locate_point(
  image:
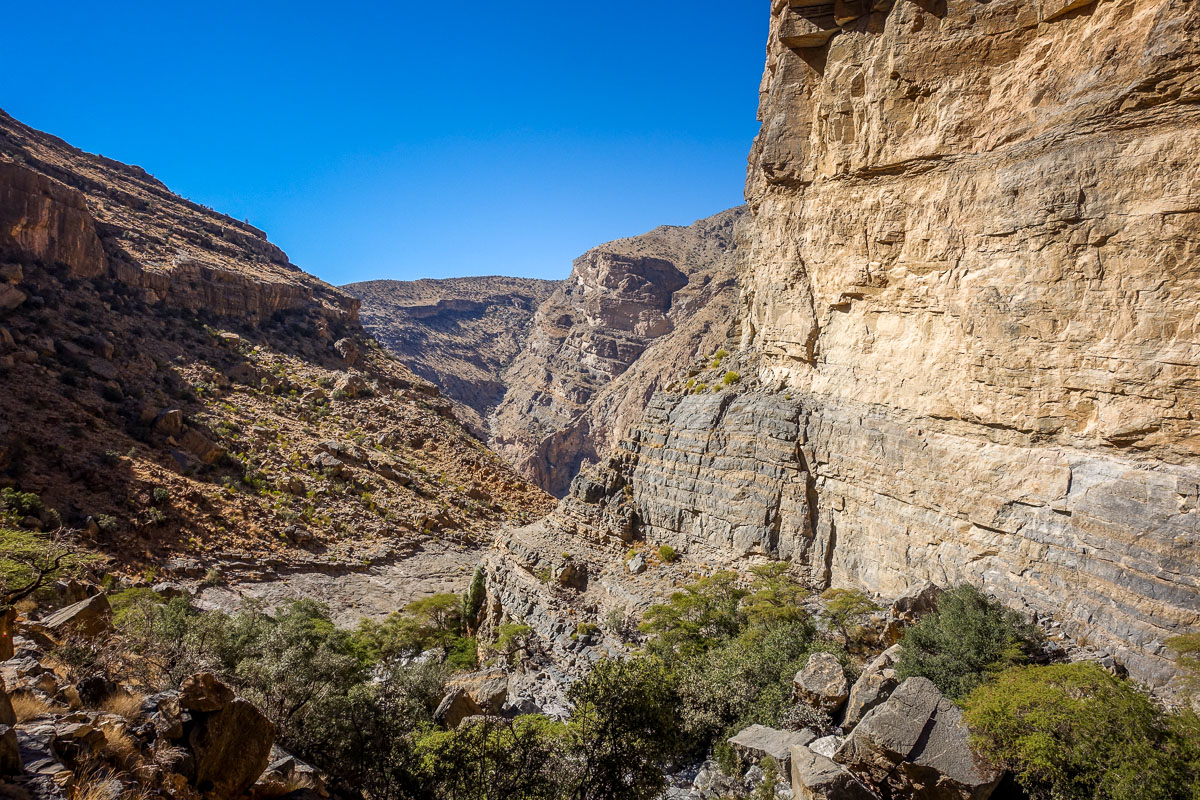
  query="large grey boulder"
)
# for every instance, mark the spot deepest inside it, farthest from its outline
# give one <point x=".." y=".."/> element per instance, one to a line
<point x="916" y="744"/>
<point x="755" y="743"/>
<point x="822" y="683"/>
<point x="816" y="777"/>
<point x="873" y="687"/>
<point x="88" y="618"/>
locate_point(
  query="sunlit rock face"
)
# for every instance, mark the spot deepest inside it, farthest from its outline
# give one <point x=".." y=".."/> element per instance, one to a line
<point x="972" y="261"/>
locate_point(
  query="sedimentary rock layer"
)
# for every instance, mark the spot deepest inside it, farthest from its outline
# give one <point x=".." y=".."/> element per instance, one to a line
<point x="616" y="330"/>
<point x="460" y="333"/>
<point x="973" y="259"/>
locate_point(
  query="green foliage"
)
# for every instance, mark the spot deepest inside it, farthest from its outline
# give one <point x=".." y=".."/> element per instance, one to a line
<point x="623" y="730"/>
<point x="743" y="681"/>
<point x="696" y="618"/>
<point x="16" y="505"/>
<point x="970" y="638"/>
<point x="718" y="357"/>
<point x="492" y="757"/>
<point x="1187" y="656"/>
<point x="1075" y="732"/>
<point x="776" y="596"/>
<point x="125" y="602"/>
<point x="846" y="609"/>
<point x="434" y="621"/>
<point x="473" y="599"/>
<point x="730" y="378"/>
<point x="30" y="560"/>
<point x="667" y="553"/>
<point x="511" y="639"/>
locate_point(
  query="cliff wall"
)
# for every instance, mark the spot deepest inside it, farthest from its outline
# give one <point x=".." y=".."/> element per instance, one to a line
<point x="970" y="331"/>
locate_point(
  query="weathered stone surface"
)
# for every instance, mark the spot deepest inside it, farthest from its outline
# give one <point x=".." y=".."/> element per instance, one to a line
<point x="822" y="683"/>
<point x="758" y="741"/>
<point x="8" y="623"/>
<point x="816" y="777"/>
<point x="917" y="742"/>
<point x="476" y="694"/>
<point x="873" y="686"/>
<point x="629" y="316"/>
<point x="44" y="220"/>
<point x="90" y="617"/>
<point x="231" y="747"/>
<point x="972" y="259"/>
<point x="204" y="692"/>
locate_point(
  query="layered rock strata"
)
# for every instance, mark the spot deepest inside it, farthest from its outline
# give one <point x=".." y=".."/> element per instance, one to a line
<point x="615" y="331"/>
<point x="970" y="294"/>
<point x="461" y="334"/>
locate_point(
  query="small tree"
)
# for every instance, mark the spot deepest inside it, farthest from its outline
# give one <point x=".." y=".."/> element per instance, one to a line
<point x="697" y="617"/>
<point x="1075" y="732"/>
<point x="473" y="600"/>
<point x="623" y="731"/>
<point x="968" y="639"/>
<point x="1187" y="656"/>
<point x="846" y="609"/>
<point x="775" y="596"/>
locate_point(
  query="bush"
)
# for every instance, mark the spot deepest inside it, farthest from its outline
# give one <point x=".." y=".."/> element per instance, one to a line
<point x="667" y="553"/>
<point x="970" y="638"/>
<point x="730" y="378"/>
<point x="846" y="609"/>
<point x="698" y="617"/>
<point x="29" y="561"/>
<point x="1075" y="732"/>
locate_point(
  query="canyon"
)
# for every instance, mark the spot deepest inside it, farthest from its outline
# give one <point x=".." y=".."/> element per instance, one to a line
<point x="966" y="342"/>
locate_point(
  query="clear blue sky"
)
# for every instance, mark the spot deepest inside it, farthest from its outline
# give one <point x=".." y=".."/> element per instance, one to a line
<point x="409" y="139"/>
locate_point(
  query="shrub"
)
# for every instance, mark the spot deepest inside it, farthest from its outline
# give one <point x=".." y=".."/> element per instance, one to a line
<point x="473" y="599"/>
<point x="776" y="596"/>
<point x="846" y="609"/>
<point x="1187" y="656"/>
<point x="730" y="378"/>
<point x="29" y="561"/>
<point x="699" y="616"/>
<point x="968" y="639"/>
<point x="1075" y="732"/>
<point x="667" y="553"/>
<point x="160" y="495"/>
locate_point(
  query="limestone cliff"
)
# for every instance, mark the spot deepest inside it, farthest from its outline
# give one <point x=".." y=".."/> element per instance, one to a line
<point x="630" y="313"/>
<point x="970" y="293"/>
<point x="460" y="334"/>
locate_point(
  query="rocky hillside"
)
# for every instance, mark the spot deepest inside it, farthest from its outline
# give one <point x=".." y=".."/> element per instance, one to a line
<point x="460" y="334"/>
<point x="968" y="334"/>
<point x="177" y="388"/>
<point x="630" y="312"/>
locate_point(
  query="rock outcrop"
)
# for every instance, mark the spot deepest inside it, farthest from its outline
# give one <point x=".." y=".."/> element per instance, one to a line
<point x="179" y="378"/>
<point x="968" y="344"/>
<point x="618" y="328"/>
<point x="972" y="260"/>
<point x="460" y="334"/>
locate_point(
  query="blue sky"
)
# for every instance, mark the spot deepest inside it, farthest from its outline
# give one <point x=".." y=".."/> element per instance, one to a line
<point x="404" y="139"/>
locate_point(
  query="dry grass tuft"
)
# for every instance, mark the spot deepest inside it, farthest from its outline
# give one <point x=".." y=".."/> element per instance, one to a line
<point x="121" y="747"/>
<point x="123" y="704"/>
<point x="27" y="706"/>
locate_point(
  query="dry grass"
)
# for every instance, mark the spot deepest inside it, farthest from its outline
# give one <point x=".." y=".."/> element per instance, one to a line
<point x="29" y="706"/>
<point x="103" y="785"/>
<point x="123" y="704"/>
<point x="121" y="747"/>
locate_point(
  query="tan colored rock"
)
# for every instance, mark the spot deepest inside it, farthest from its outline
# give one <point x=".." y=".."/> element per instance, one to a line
<point x="231" y="747"/>
<point x="204" y="692"/>
<point x="44" y="220"/>
<point x="822" y="683"/>
<point x="971" y="259"/>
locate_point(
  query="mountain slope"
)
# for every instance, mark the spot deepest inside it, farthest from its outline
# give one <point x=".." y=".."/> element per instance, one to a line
<point x="178" y="388"/>
<point x="459" y="334"/>
<point x="630" y="313"/>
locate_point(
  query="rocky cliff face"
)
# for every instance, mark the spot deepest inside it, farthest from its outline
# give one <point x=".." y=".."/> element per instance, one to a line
<point x="460" y="334"/>
<point x="970" y="293"/>
<point x="613" y="332"/>
<point x="186" y="396"/>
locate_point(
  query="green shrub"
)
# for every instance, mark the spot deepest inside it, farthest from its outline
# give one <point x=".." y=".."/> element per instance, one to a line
<point x="1075" y="732"/>
<point x="473" y="599"/>
<point x="970" y="638"/>
<point x="846" y="609"/>
<point x="125" y="601"/>
<point x="667" y="553"/>
<point x="699" y="616"/>
<point x="730" y="378"/>
<point x="29" y="561"/>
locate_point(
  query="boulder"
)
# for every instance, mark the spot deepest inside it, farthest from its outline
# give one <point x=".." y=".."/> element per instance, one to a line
<point x="169" y="423"/>
<point x="351" y="387"/>
<point x="822" y="683"/>
<point x="916" y="602"/>
<point x="816" y="777"/>
<point x="286" y="773"/>
<point x="8" y="624"/>
<point x="826" y="745"/>
<point x="873" y="687"/>
<point x="636" y="565"/>
<point x="199" y="445"/>
<point x="916" y="745"/>
<point x="10" y="750"/>
<point x="204" y="692"/>
<point x="479" y="693"/>
<point x="348" y="350"/>
<point x="231" y="748"/>
<point x="88" y="618"/>
<point x="755" y="743"/>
